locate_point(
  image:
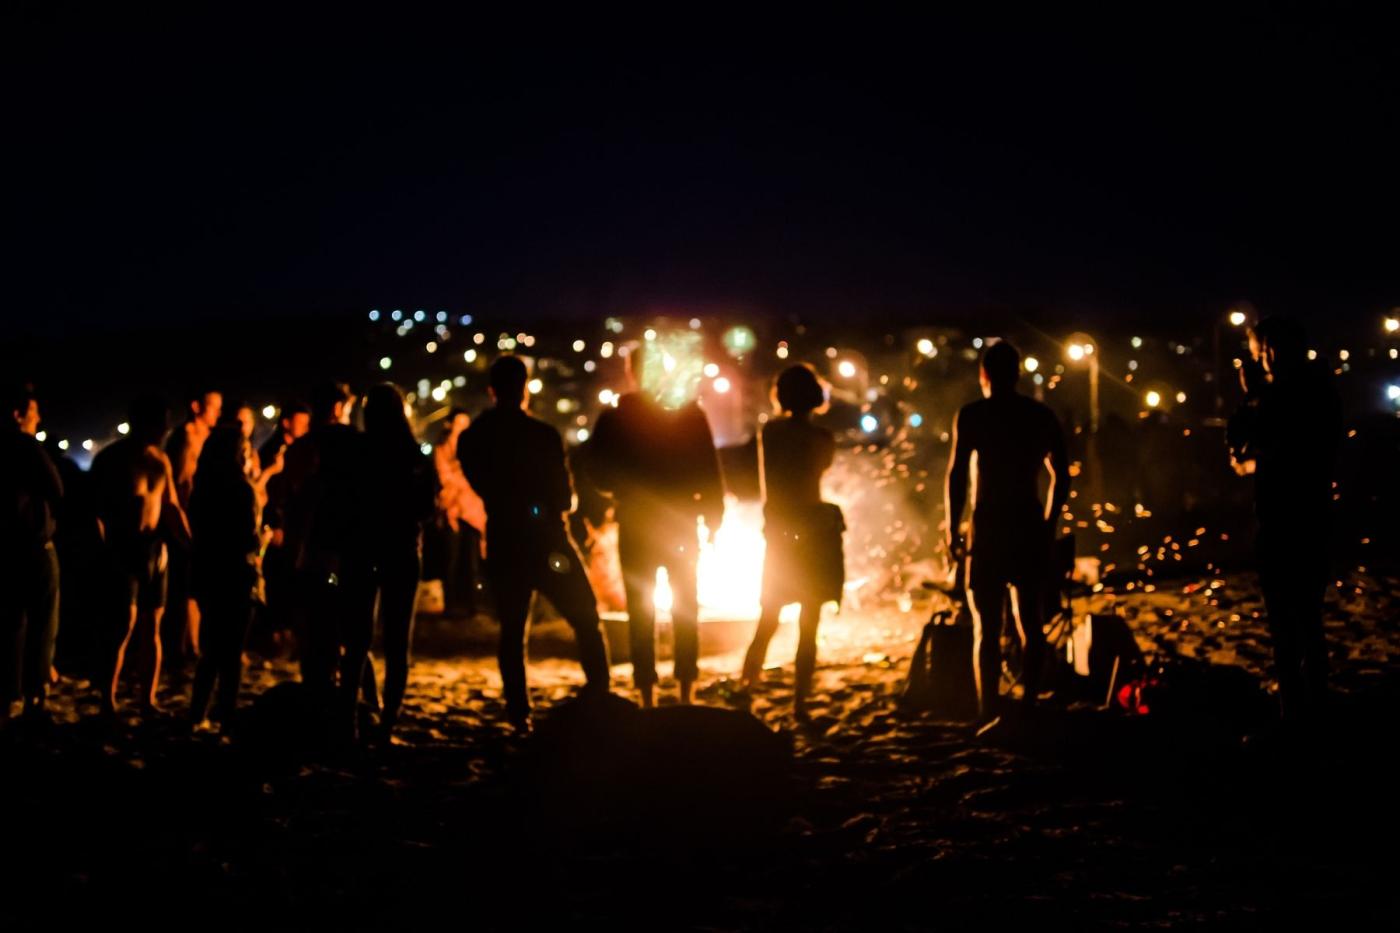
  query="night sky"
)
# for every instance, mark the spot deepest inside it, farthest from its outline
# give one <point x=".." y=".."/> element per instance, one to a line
<point x="224" y="164"/>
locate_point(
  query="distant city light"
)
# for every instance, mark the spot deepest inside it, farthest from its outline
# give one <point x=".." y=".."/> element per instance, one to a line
<point x="916" y="420"/>
<point x="1031" y="364"/>
<point x="579" y="345"/>
<point x="1344" y="355"/>
<point x="607" y="396"/>
<point x="977" y="343"/>
<point x="649" y="334"/>
<point x="41" y="436"/>
<point x="439" y="393"/>
<point x="589" y="366"/>
<point x="721" y="385"/>
<point x="581" y="434"/>
<point x="606" y="350"/>
<point x="846" y="368"/>
<point x="374" y="315"/>
<point x="1312" y="354"/>
<point x="536" y="386"/>
<point x="711" y="370"/>
<point x="420" y="315"/>
<point x="831" y="353"/>
<point x="1394" y="353"/>
<point x="385" y="362"/>
<point x="442" y="317"/>
<point x="926" y="347"/>
<point x="478" y="338"/>
<point x="1392" y="392"/>
<point x="269" y="412"/>
<point x="426" y="448"/>
<point x="695" y="323"/>
<point x="782" y="350"/>
<point x="1237" y="318"/>
<point x="87" y="444"/>
<point x="1181" y="398"/>
<point x="1392" y="325"/>
<point x="1153" y="398"/>
<point x="1132" y="366"/>
<point x="63" y="445"/>
<point x="1075" y="352"/>
<point x="459" y="381"/>
<point x="125" y="428"/>
<point x="1137" y="343"/>
<point x="469" y="356"/>
<point x="869" y="423"/>
<point x="465" y="320"/>
<point x="397" y="315"/>
<point x="432" y="346"/>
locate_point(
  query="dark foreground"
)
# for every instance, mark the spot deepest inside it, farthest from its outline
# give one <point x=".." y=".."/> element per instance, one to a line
<point x="885" y="821"/>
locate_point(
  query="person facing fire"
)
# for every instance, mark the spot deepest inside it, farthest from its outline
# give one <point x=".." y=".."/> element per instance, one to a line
<point x="803" y="562"/>
<point x="1289" y="444"/>
<point x="655" y="455"/>
<point x="516" y="464"/>
<point x="1003" y="442"/>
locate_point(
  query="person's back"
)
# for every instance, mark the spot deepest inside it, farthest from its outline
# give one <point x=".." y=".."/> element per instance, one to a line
<point x="1011" y="435"/>
<point x="795" y="453"/>
<point x="326" y="494"/>
<point x="515" y="462"/>
<point x="658" y="464"/>
<point x="32" y="489"/>
<point x="1297" y="433"/>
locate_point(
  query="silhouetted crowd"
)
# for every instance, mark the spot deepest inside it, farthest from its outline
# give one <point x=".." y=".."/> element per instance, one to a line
<point x="166" y="553"/>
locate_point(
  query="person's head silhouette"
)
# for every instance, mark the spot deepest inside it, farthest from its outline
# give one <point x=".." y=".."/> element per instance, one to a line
<point x="510" y="379"/>
<point x="1282" y="345"/>
<point x="148" y="418"/>
<point x="798" y="390"/>
<point x="1001" y="367"/>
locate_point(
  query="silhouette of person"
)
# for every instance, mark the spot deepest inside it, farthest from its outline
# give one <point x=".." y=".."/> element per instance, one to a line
<point x="516" y="464"/>
<point x="181" y="623"/>
<point x="226" y="524"/>
<point x="140" y="517"/>
<point x="1288" y="442"/>
<point x="1002" y="443"/>
<point x="662" y="471"/>
<point x="33" y="492"/>
<point x="325" y="534"/>
<point x="403" y="486"/>
<point x="803" y="560"/>
<point x="463" y="517"/>
<point x="294" y="421"/>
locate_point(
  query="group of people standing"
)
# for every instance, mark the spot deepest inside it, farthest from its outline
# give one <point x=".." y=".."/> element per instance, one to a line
<point x="322" y="529"/>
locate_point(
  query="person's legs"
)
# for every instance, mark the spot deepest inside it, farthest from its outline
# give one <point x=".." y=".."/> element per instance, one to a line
<point x="685" y="619"/>
<point x="207" y="668"/>
<point x="231" y="642"/>
<point x="807" y="622"/>
<point x="758" y="648"/>
<point x="567" y="587"/>
<point x="1026" y="609"/>
<point x="355" y="601"/>
<point x="639" y="584"/>
<point x="12" y="642"/>
<point x="1281" y="596"/>
<point x="984" y="604"/>
<point x="1312" y="590"/>
<point x="513" y="589"/>
<point x="41" y="628"/>
<point x="317" y="600"/>
<point x="148" y="696"/>
<point x="397" y="601"/>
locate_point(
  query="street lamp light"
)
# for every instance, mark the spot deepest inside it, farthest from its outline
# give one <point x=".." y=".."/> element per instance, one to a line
<point x="1392" y="325"/>
<point x="1080" y="348"/>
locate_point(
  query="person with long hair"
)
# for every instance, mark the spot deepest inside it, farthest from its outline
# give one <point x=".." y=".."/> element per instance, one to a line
<point x="804" y="559"/>
<point x="404" y="486"/>
<point x="226" y="522"/>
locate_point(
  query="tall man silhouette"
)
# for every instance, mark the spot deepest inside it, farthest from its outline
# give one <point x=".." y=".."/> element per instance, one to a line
<point x="1288" y="439"/>
<point x="516" y="464"/>
<point x="1003" y="442"/>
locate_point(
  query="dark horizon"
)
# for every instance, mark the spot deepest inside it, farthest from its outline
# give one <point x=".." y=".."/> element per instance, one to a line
<point x="207" y="166"/>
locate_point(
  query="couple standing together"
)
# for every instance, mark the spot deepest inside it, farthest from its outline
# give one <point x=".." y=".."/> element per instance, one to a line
<point x="661" y="468"/>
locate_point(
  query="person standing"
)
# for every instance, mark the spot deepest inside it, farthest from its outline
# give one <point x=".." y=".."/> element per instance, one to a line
<point x="661" y="468"/>
<point x="404" y="485"/>
<point x="33" y="492"/>
<point x="1014" y="439"/>
<point x="293" y="423"/>
<point x="1289" y="442"/>
<point x="516" y="463"/>
<point x="228" y="543"/>
<point x="803" y="562"/>
<point x="140" y="518"/>
<point x="326" y="524"/>
<point x="181" y="635"/>
<point x="462" y="516"/>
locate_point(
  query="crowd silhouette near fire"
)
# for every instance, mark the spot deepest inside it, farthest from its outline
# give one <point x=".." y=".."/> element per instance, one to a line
<point x="176" y="542"/>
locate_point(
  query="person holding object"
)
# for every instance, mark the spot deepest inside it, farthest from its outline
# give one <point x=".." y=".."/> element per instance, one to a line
<point x="1002" y="443"/>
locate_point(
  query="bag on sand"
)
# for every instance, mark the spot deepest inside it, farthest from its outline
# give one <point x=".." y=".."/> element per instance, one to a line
<point x="940" y="672"/>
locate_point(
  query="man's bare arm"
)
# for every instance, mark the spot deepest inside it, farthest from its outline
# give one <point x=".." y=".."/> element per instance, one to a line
<point x="955" y="483"/>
